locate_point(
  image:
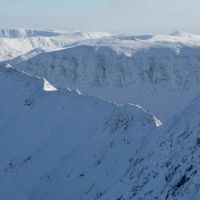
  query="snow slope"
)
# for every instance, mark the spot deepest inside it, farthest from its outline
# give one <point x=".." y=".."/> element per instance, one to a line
<point x="63" y="145"/>
<point x="160" y="72"/>
<point x="167" y="164"/>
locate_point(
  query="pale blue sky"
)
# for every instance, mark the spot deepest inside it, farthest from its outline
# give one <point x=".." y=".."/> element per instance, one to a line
<point x="136" y="16"/>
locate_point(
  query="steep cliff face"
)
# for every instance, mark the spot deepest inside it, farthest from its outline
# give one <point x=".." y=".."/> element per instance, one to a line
<point x="163" y="79"/>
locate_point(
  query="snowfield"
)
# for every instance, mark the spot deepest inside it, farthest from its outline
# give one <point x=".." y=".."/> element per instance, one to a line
<point x="97" y="116"/>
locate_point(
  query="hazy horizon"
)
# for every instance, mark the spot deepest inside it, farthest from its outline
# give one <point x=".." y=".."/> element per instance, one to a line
<point x="123" y="16"/>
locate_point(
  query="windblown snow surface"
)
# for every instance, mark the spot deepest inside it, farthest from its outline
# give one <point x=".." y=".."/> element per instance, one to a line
<point x="74" y="123"/>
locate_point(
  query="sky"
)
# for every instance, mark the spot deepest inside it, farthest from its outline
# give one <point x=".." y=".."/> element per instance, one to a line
<point x="123" y="16"/>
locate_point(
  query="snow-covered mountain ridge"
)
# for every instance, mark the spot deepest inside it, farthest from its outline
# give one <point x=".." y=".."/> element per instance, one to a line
<point x="162" y="69"/>
<point x="24" y="33"/>
<point x="74" y="122"/>
<point x="63" y="145"/>
<point x="16" y="42"/>
<point x="58" y="143"/>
